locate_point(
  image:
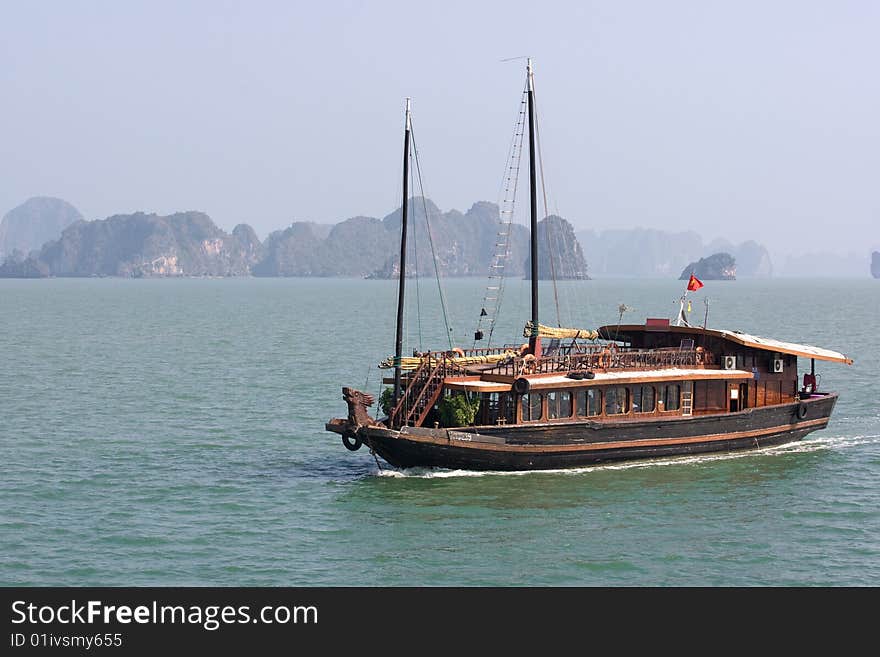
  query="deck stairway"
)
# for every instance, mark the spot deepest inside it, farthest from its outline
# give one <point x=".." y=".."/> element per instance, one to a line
<point x="420" y="394"/>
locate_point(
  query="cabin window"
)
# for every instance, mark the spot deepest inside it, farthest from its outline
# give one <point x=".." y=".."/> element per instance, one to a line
<point x="671" y="397"/>
<point x="616" y="401"/>
<point x="644" y="400"/>
<point x="558" y="404"/>
<point x="532" y="405"/>
<point x="588" y="403"/>
<point x="499" y="409"/>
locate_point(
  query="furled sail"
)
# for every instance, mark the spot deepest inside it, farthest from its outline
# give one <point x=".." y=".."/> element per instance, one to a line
<point x="560" y="333"/>
<point x="413" y="362"/>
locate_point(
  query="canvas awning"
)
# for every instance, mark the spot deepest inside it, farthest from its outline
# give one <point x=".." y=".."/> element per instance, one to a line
<point x="769" y="344"/>
<point x="614" y="332"/>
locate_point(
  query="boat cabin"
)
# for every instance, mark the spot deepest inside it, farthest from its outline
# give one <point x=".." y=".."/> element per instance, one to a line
<point x="642" y="372"/>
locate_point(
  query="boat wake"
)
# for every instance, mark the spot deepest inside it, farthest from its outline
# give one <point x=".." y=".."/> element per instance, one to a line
<point x="817" y="444"/>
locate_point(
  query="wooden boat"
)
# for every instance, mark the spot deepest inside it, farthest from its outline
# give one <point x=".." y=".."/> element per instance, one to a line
<point x="572" y="398"/>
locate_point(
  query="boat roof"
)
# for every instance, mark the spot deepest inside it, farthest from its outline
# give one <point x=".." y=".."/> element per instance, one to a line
<point x="612" y="332"/>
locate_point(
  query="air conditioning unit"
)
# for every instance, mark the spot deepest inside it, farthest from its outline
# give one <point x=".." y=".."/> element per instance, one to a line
<point x="730" y="362"/>
<point x="776" y="365"/>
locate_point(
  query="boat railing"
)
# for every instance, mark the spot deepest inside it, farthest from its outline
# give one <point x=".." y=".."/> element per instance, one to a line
<point x="604" y="358"/>
<point x="472" y="353"/>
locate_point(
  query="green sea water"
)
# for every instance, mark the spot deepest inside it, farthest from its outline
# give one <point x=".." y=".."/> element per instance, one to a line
<point x="170" y="432"/>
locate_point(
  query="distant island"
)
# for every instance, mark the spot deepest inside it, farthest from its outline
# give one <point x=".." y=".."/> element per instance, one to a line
<point x="142" y="245"/>
<point x="48" y="237"/>
<point x="875" y="264"/>
<point x="717" y="267"/>
<point x="33" y="223"/>
<point x="556" y="236"/>
<point x="369" y="247"/>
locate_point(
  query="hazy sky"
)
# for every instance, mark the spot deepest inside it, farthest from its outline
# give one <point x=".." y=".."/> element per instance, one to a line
<point x="737" y="119"/>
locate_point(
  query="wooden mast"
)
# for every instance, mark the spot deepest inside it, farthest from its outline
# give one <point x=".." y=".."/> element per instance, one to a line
<point x="534" y="339"/>
<point x="401" y="289"/>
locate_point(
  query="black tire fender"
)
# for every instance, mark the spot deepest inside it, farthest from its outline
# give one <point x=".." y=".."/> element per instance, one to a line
<point x="801" y="411"/>
<point x="352" y="441"/>
<point x="522" y="386"/>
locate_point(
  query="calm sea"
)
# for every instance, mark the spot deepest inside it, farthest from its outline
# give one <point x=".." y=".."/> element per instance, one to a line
<point x="170" y="432"/>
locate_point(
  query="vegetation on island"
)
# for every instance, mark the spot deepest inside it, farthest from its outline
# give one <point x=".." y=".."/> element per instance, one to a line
<point x="190" y="244"/>
<point x="556" y="237"/>
<point x="464" y="243"/>
<point x="144" y="245"/>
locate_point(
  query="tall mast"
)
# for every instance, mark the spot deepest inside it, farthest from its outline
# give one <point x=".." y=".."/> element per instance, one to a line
<point x="534" y="339"/>
<point x="398" y="344"/>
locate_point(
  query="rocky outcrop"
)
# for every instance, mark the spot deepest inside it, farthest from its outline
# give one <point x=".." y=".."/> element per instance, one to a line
<point x="559" y="252"/>
<point x="250" y="248"/>
<point x="717" y="267"/>
<point x="18" y="265"/>
<point x="35" y="222"/>
<point x="190" y="244"/>
<point x="147" y="245"/>
<point x="289" y="252"/>
<point x="463" y="243"/>
<point x="875" y="264"/>
<point x="356" y="247"/>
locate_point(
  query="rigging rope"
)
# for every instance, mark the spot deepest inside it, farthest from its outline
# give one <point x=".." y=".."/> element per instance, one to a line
<point x="547" y="227"/>
<point x="416" y="262"/>
<point x="431" y="240"/>
<point x="507" y="191"/>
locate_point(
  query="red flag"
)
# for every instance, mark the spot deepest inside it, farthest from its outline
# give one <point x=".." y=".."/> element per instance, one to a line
<point x="694" y="284"/>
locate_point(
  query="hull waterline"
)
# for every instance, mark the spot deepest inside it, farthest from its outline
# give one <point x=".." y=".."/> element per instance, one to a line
<point x="578" y="444"/>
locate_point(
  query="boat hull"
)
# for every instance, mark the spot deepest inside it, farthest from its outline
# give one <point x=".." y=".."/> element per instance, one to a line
<point x="561" y="445"/>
